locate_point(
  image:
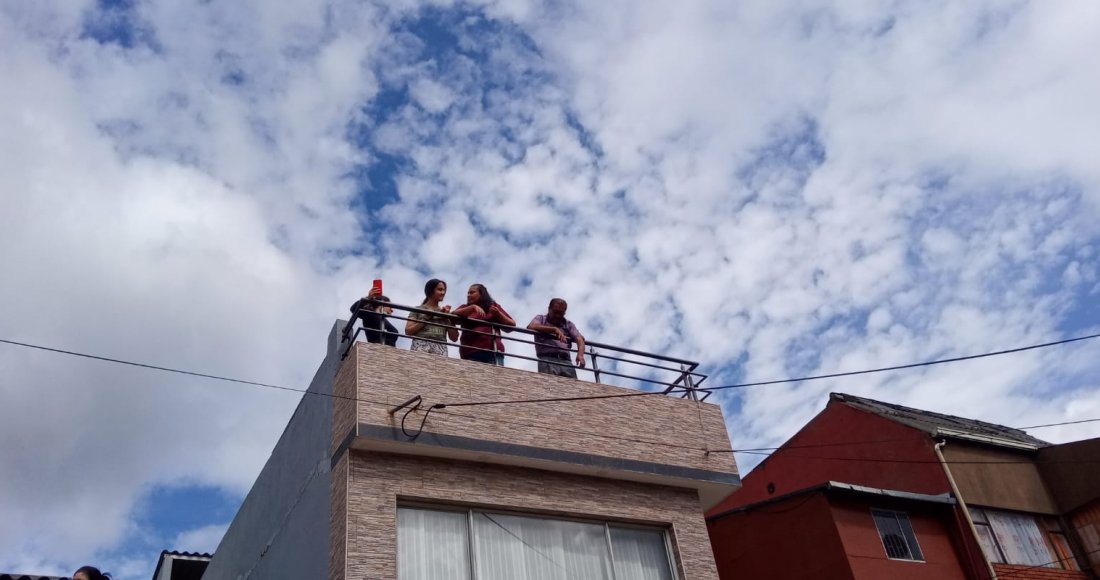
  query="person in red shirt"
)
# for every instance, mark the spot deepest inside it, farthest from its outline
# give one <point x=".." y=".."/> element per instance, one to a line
<point x="479" y="341"/>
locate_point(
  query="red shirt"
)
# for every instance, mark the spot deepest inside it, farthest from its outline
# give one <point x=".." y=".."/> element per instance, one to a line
<point x="470" y="341"/>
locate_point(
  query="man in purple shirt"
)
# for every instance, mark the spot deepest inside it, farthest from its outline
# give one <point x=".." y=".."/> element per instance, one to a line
<point x="552" y="342"/>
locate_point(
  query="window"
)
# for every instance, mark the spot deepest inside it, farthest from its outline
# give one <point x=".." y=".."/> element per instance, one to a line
<point x="986" y="537"/>
<point x="897" y="535"/>
<point x="434" y="544"/>
<point x="1015" y="538"/>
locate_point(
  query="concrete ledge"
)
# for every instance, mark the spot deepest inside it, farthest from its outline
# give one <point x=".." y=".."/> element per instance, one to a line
<point x="712" y="486"/>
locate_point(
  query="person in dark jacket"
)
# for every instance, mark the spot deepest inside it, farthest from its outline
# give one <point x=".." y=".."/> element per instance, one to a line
<point x="375" y="326"/>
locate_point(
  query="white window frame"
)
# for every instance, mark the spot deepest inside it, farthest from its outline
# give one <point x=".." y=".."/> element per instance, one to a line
<point x="471" y="540"/>
<point x="902" y="518"/>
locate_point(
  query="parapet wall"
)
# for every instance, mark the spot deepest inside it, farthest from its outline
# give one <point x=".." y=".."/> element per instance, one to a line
<point x="632" y="437"/>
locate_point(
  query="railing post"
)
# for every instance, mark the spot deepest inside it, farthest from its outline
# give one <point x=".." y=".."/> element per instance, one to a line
<point x="688" y="384"/>
<point x="595" y="365"/>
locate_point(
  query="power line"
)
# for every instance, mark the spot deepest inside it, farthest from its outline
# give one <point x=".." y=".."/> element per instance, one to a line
<point x="335" y="396"/>
<point x="158" y="368"/>
<point x="1044" y="565"/>
<point x="924" y="461"/>
<point x="680" y="390"/>
<point x="753" y="451"/>
<point x="902" y="367"/>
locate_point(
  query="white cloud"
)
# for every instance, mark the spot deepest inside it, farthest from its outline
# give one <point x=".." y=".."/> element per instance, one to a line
<point x="799" y="187"/>
<point x="202" y="540"/>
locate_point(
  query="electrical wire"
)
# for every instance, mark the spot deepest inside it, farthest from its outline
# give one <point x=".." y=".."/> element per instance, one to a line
<point x="903" y="367"/>
<point x="1012" y="573"/>
<point x="923" y="461"/>
<point x="793" y="380"/>
<point x="438" y="407"/>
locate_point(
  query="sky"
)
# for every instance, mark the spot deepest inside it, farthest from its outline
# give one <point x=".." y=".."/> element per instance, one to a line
<point x="772" y="188"/>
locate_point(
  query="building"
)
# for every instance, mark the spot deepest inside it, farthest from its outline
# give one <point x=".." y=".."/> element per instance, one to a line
<point x="869" y="489"/>
<point x="173" y="565"/>
<point x="373" y="479"/>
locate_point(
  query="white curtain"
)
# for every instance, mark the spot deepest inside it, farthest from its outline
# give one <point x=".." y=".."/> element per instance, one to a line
<point x="519" y="548"/>
<point x="436" y="545"/>
<point x="432" y="545"/>
<point x="639" y="554"/>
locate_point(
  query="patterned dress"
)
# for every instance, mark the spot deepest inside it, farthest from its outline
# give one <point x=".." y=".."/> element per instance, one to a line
<point x="435" y="329"/>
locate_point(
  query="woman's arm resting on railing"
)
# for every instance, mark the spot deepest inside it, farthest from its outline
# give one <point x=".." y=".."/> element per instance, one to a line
<point x="468" y="309"/>
<point x="499" y="315"/>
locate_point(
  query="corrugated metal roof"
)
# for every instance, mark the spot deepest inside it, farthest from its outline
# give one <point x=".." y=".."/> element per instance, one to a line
<point x="941" y="425"/>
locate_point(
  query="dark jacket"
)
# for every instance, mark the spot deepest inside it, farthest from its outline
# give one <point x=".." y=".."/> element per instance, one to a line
<point x="375" y="325"/>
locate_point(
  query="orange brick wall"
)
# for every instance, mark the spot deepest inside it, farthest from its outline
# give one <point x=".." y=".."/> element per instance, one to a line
<point x="1015" y="572"/>
<point x="377" y="482"/>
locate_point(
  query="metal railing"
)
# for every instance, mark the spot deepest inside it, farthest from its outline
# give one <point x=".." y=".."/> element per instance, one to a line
<point x="682" y="378"/>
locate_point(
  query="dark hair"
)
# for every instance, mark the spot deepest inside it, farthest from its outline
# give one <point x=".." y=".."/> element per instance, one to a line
<point x="93" y="573"/>
<point x="486" y="300"/>
<point x="430" y="287"/>
<point x="561" y="301"/>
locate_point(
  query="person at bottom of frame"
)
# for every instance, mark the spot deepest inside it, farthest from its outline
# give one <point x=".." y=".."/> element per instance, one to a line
<point x="552" y="343"/>
<point x="375" y="326"/>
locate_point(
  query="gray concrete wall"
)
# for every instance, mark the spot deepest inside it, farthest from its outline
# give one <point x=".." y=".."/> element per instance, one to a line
<point x="282" y="527"/>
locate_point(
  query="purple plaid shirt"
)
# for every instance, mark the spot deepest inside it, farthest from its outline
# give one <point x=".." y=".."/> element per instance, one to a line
<point x="547" y="346"/>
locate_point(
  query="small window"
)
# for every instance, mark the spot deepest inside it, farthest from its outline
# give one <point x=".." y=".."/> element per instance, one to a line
<point x="897" y="535"/>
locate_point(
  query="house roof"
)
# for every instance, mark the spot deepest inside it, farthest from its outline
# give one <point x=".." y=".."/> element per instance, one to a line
<point x="190" y="571"/>
<point x="840" y="488"/>
<point x="940" y="425"/>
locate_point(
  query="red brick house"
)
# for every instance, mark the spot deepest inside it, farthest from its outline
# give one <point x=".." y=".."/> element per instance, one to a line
<point x="869" y="489"/>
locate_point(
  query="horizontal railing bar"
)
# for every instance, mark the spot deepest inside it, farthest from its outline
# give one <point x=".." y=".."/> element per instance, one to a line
<point x="523" y="330"/>
<point x="534" y="359"/>
<point x="531" y="342"/>
<point x="456" y="323"/>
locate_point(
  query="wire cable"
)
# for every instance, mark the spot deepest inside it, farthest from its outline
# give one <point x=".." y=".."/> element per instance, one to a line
<point x="1017" y="572"/>
<point x="794" y="380"/>
<point x="438" y="407"/>
<point x="905" y="366"/>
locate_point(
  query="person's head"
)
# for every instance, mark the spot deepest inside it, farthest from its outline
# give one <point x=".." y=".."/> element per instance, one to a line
<point x="556" y="310"/>
<point x="435" y="288"/>
<point x="90" y="573"/>
<point x="479" y="294"/>
<point x="383" y="308"/>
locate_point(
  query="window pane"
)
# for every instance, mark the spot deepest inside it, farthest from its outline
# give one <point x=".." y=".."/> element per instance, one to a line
<point x="520" y="548"/>
<point x="1065" y="554"/>
<point x="989" y="545"/>
<point x="897" y="535"/>
<point x="640" y="554"/>
<point x="432" y="545"/>
<point x="1021" y="539"/>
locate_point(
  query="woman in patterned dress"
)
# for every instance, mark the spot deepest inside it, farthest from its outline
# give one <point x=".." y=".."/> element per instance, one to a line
<point x="429" y="332"/>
